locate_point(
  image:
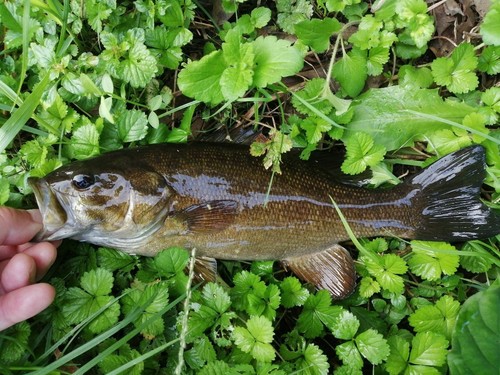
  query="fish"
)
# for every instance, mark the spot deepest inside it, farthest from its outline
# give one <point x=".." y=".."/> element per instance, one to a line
<point x="217" y="198"/>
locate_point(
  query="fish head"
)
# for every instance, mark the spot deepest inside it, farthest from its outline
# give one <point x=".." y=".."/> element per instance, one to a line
<point x="106" y="202"/>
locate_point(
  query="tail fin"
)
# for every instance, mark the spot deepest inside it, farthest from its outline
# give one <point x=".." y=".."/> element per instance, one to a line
<point x="449" y="202"/>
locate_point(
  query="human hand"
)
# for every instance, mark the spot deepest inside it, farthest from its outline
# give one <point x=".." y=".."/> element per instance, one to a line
<point x="21" y="264"/>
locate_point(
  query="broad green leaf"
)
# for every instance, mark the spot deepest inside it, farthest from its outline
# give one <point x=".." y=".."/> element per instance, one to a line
<point x="397" y="360"/>
<point x="201" y="79"/>
<point x="260" y="17"/>
<point x="346" y="325"/>
<point x="368" y="287"/>
<point x="490" y="28"/>
<point x="85" y="142"/>
<point x="384" y="114"/>
<point x="412" y="76"/>
<point x="489" y="60"/>
<point x="351" y="72"/>
<point x="171" y="261"/>
<point x="428" y="349"/>
<point x="431" y="259"/>
<point x="350" y="355"/>
<point x="372" y="346"/>
<point x="235" y="81"/>
<point x="123" y="356"/>
<point x="439" y="318"/>
<point x="316" y="33"/>
<point x="312" y="94"/>
<point x="377" y="57"/>
<point x="132" y="125"/>
<point x="474" y="342"/>
<point x="317" y="313"/>
<point x="112" y="260"/>
<point x="274" y="59"/>
<point x="97" y="282"/>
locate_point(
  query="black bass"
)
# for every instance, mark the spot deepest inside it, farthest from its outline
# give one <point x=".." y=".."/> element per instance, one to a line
<point x="214" y="197"/>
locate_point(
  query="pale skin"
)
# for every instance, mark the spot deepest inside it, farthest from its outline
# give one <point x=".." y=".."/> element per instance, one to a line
<point x="22" y="264"/>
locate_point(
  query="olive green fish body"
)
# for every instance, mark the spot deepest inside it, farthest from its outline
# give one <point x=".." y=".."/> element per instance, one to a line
<point x="219" y="199"/>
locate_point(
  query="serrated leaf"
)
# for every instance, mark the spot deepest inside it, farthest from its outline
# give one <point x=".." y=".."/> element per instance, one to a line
<point x="132" y="125"/>
<point x="112" y="260"/>
<point x="412" y="76"/>
<point x="14" y="348"/>
<point x="315" y="128"/>
<point x="377" y="57"/>
<point x="216" y="297"/>
<point x="368" y="287"/>
<point x="431" y="259"/>
<point x="428" y="349"/>
<point x="397" y="360"/>
<point x="171" y="261"/>
<point x="372" y="346"/>
<point x="98" y="282"/>
<point x="350" y="355"/>
<point x="316" y="32"/>
<point x="255" y="338"/>
<point x="292" y="292"/>
<point x="85" y="142"/>
<point x="312" y="94"/>
<point x="489" y="60"/>
<point x="361" y="152"/>
<point x="346" y="325"/>
<point x="317" y="313"/>
<point x="274" y="59"/>
<point x="439" y="318"/>
<point x="260" y="17"/>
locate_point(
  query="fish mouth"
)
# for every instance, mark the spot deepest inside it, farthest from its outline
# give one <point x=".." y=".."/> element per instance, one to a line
<point x="54" y="215"/>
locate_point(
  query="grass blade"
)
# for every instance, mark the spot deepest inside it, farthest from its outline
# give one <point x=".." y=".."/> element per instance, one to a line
<point x="19" y="118"/>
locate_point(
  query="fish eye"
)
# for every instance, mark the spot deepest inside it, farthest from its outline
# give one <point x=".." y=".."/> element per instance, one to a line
<point x="82" y="181"/>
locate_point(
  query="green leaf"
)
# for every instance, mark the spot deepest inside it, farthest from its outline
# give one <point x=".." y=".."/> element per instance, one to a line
<point x="4" y="190"/>
<point x="97" y="282"/>
<point x="13" y="348"/>
<point x="113" y="260"/>
<point x="123" y="356"/>
<point x="413" y="15"/>
<point x="153" y="298"/>
<point x="256" y="338"/>
<point x="350" y="355"/>
<point x="316" y="33"/>
<point x="312" y="94"/>
<point x="377" y="57"/>
<point x="457" y="73"/>
<point x="439" y="318"/>
<point x="291" y="12"/>
<point x="292" y="292"/>
<point x="346" y="325"/>
<point x="278" y="144"/>
<point x="260" y="17"/>
<point x="368" y="287"/>
<point x="386" y="115"/>
<point x="431" y="259"/>
<point x="171" y="261"/>
<point x="274" y="59"/>
<point x="316" y="313"/>
<point x="412" y="76"/>
<point x="361" y="152"/>
<point x="132" y="125"/>
<point x="386" y="270"/>
<point x="489" y="60"/>
<point x="85" y="142"/>
<point x="428" y="349"/>
<point x="372" y="346"/>
<point x="216" y="297"/>
<point x="368" y="34"/>
<point x="83" y="303"/>
<point x="351" y="72"/>
<point x="474" y="342"/>
<point x="490" y="28"/>
<point x="315" y="128"/>
<point x="201" y="79"/>
<point x="246" y="284"/>
<point x="397" y="361"/>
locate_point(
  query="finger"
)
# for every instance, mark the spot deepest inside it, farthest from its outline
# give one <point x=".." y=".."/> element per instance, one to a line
<point x="24" y="303"/>
<point x="44" y="254"/>
<point x="18" y="226"/>
<point x="19" y="272"/>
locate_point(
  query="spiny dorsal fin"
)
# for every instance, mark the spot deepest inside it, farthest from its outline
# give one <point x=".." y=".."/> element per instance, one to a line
<point x="331" y="269"/>
<point x="209" y="216"/>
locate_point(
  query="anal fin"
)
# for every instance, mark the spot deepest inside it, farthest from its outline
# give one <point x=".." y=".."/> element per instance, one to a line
<point x="331" y="269"/>
<point x="205" y="269"/>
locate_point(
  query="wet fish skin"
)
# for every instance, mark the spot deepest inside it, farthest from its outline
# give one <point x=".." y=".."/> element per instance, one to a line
<point x="214" y="197"/>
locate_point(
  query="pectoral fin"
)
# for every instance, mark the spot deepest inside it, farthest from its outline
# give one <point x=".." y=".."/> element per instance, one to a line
<point x="209" y="216"/>
<point x="331" y="269"/>
<point x="205" y="269"/>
